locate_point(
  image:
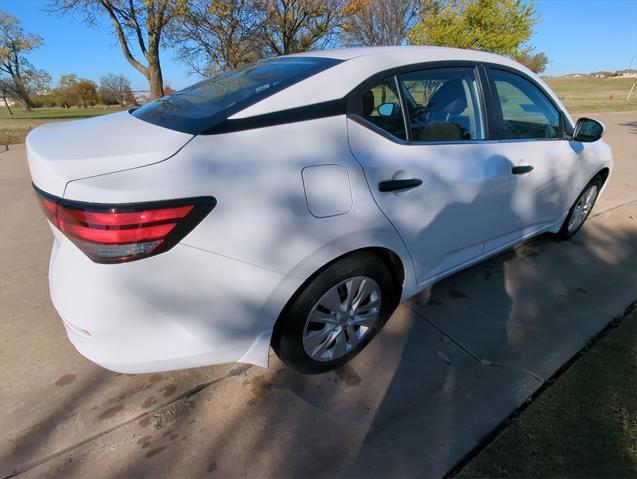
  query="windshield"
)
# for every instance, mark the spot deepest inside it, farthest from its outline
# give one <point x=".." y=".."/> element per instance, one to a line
<point x="204" y="104"/>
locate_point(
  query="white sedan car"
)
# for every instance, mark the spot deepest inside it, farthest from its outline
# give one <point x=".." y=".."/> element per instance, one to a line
<point x="294" y="203"/>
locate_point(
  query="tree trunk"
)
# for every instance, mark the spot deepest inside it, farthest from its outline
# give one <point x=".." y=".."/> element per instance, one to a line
<point x="155" y="81"/>
<point x="7" y="105"/>
<point x="153" y="71"/>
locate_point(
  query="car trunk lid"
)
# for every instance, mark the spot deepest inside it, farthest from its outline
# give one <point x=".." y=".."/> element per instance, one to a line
<point x="65" y="151"/>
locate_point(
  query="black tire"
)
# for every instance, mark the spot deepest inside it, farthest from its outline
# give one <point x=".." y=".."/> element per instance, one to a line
<point x="287" y="339"/>
<point x="564" y="232"/>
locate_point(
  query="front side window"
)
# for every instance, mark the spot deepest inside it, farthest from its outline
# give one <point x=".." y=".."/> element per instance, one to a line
<point x="380" y="105"/>
<point x="443" y="104"/>
<point x="526" y="111"/>
<point x="206" y="103"/>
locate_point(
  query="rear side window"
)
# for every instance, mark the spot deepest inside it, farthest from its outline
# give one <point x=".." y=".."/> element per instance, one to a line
<point x="203" y="105"/>
<point x="443" y="104"/>
<point x="381" y="106"/>
<point x="526" y="111"/>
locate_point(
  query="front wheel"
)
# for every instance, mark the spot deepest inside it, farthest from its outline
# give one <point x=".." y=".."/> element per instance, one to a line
<point x="581" y="209"/>
<point x="336" y="314"/>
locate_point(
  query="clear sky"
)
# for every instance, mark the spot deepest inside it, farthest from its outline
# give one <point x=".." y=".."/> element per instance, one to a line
<point x="579" y="36"/>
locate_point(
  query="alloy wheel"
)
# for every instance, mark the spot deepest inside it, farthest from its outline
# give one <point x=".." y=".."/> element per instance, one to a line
<point x="341" y="318"/>
<point x="582" y="208"/>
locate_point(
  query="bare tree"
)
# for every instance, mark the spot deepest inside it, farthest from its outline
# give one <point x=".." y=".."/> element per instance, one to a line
<point x="380" y="22"/>
<point x="114" y="88"/>
<point x="294" y="26"/>
<point x="138" y="24"/>
<point x="218" y="34"/>
<point x="18" y="78"/>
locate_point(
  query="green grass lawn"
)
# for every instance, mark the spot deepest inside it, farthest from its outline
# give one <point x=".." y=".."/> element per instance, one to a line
<point x="14" y="128"/>
<point x="584" y="425"/>
<point x="592" y="95"/>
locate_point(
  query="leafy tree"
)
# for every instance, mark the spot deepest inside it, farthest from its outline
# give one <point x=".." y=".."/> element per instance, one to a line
<point x="225" y="34"/>
<point x="86" y="92"/>
<point x="533" y="61"/>
<point x="18" y="78"/>
<point x="115" y="89"/>
<point x="218" y="34"/>
<point x="292" y="26"/>
<point x="129" y="97"/>
<point x="138" y="24"/>
<point x="498" y="26"/>
<point x="379" y="22"/>
<point x="66" y="92"/>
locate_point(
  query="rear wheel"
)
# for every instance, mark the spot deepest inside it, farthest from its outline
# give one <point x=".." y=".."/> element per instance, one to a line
<point x="581" y="209"/>
<point x="336" y="314"/>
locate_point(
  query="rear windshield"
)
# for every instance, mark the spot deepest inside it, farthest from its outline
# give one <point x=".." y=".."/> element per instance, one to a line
<point x="204" y="104"/>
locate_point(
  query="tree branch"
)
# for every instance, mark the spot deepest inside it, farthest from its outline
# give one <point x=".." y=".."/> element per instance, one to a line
<point x="123" y="41"/>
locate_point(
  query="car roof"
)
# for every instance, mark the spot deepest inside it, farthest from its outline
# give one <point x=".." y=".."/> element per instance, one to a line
<point x="358" y="64"/>
<point x="412" y="50"/>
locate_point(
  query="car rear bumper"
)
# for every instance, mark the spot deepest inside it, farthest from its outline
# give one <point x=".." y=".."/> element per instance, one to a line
<point x="181" y="309"/>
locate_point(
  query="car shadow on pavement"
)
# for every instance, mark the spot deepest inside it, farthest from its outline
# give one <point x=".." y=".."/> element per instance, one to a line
<point x="449" y="366"/>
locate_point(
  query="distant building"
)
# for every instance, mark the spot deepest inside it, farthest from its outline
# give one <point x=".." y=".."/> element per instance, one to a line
<point x="629" y="72"/>
<point x="141" y="96"/>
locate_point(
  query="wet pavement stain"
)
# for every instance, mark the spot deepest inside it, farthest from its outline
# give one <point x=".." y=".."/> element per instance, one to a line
<point x="455" y="294"/>
<point x="144" y="442"/>
<point x="109" y="413"/>
<point x="169" y="390"/>
<point x="66" y="379"/>
<point x="259" y="386"/>
<point x="212" y="467"/>
<point x="149" y="402"/>
<point x="144" y="422"/>
<point x="155" y="378"/>
<point x="347" y="374"/>
<point x="154" y="452"/>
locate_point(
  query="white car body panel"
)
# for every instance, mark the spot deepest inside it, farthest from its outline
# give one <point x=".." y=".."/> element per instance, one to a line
<point x="447" y="219"/>
<point x="64" y="151"/>
<point x="291" y="198"/>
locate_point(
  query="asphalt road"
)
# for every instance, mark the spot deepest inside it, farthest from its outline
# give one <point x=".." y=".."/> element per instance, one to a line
<point x="449" y="366"/>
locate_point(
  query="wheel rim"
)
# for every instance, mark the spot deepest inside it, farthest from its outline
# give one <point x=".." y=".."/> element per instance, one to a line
<point x="582" y="208"/>
<point x="341" y="318"/>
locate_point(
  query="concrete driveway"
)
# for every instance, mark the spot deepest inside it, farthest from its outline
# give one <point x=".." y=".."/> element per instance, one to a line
<point x="449" y="366"/>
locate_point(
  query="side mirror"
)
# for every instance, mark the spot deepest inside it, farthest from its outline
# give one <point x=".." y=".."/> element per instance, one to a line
<point x="388" y="109"/>
<point x="588" y="130"/>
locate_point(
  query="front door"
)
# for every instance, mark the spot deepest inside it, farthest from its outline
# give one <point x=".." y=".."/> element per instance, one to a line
<point x="542" y="161"/>
<point x="420" y="137"/>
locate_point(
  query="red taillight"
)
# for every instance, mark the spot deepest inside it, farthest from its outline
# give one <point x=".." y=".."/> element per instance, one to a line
<point x="120" y="233"/>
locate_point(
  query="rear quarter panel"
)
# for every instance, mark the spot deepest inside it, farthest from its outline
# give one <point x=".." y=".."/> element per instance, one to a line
<point x="262" y="216"/>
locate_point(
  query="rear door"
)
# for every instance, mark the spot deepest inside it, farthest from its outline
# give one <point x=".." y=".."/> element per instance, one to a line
<point x="542" y="160"/>
<point x="421" y="137"/>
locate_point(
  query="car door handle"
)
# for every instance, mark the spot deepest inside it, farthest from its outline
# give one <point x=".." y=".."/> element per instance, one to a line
<point x="521" y="170"/>
<point x="395" y="185"/>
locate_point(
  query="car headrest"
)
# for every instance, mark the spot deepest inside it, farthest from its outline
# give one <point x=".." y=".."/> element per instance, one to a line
<point x="368" y="103"/>
<point x="449" y="99"/>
